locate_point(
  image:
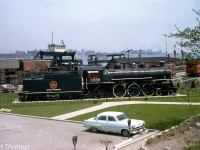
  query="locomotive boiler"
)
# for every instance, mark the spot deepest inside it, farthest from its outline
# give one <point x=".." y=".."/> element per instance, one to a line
<point x="130" y="82"/>
<point x="96" y="81"/>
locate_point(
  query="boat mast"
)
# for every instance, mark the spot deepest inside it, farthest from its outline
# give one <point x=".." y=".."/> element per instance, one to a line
<point x="52" y="37"/>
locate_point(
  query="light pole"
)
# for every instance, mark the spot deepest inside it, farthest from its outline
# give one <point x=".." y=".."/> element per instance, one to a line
<point x="128" y="51"/>
<point x="175" y="54"/>
<point x="165" y="43"/>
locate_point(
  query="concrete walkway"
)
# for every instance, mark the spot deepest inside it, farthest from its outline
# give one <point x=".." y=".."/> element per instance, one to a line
<point x="111" y="104"/>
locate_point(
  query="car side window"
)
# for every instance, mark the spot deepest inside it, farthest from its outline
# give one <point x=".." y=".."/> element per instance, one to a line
<point x="110" y="118"/>
<point x="103" y="118"/>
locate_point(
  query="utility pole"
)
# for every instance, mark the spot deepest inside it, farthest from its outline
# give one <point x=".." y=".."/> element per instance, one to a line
<point x="175" y="54"/>
<point x="128" y="51"/>
<point x="166" y="44"/>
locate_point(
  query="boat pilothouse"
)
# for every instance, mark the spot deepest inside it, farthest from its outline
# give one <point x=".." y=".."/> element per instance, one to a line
<point x="62" y="59"/>
<point x="56" y="47"/>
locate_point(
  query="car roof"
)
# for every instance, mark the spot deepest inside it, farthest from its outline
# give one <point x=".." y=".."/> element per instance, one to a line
<point x="5" y="84"/>
<point x="111" y="113"/>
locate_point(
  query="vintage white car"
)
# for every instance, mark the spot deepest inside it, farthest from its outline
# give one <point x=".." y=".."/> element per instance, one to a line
<point x="115" y="122"/>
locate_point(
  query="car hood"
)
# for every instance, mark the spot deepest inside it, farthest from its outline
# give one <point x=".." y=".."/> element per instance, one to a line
<point x="134" y="122"/>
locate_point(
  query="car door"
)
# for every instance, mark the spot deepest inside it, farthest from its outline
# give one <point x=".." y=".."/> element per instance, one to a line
<point x="112" y="125"/>
<point x="102" y="122"/>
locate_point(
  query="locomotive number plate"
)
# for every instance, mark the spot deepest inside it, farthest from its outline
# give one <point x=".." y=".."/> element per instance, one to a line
<point x="95" y="80"/>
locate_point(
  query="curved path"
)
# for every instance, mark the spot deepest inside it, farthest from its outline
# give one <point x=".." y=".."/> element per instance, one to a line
<point x="111" y="104"/>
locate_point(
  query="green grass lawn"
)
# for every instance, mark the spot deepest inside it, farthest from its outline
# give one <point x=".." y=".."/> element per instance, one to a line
<point x="50" y="110"/>
<point x="159" y="117"/>
<point x="42" y="109"/>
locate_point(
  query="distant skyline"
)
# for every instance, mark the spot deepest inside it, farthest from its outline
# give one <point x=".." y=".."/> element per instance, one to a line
<point x="101" y="25"/>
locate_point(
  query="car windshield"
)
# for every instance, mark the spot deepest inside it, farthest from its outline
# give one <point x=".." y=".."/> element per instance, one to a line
<point x="8" y="86"/>
<point x="122" y="117"/>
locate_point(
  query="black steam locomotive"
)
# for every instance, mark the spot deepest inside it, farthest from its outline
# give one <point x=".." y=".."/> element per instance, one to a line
<point x="69" y="80"/>
<point x="98" y="82"/>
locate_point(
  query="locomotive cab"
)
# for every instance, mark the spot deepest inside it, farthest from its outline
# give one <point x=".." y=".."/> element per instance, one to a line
<point x="92" y="78"/>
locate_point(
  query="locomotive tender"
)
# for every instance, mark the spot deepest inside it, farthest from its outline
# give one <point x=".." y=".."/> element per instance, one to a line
<point x="96" y="81"/>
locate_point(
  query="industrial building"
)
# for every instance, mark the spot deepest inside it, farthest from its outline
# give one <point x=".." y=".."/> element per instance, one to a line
<point x="9" y="71"/>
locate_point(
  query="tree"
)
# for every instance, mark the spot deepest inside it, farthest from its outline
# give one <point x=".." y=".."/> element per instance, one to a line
<point x="190" y="37"/>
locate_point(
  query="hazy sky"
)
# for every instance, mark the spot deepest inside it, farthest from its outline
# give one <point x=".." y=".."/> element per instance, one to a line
<point x="101" y="25"/>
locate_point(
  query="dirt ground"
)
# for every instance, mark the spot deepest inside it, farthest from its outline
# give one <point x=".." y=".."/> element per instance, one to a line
<point x="177" y="138"/>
